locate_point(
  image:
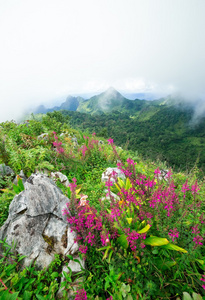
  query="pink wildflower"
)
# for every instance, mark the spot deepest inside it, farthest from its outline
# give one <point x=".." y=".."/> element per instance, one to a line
<point x="185" y="188"/>
<point x="108" y="183"/>
<point x="157" y="171"/>
<point x="195" y="188"/>
<point x="173" y="234"/>
<point x="83" y="249"/>
<point x="83" y="150"/>
<point x="169" y="174"/>
<point x="60" y="150"/>
<point x="90" y="238"/>
<point x="195" y="229"/>
<point x="203" y="279"/>
<point x="110" y="141"/>
<point x="131" y="161"/>
<point x="104" y="238"/>
<point x="198" y="240"/>
<point x="73" y="185"/>
<point x="81" y="295"/>
<point x="120" y="165"/>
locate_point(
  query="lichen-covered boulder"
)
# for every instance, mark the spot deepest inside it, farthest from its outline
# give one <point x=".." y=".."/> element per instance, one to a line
<point x="36" y="223"/>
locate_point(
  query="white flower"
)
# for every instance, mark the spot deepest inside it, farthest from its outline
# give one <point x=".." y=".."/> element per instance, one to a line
<point x="83" y="201"/>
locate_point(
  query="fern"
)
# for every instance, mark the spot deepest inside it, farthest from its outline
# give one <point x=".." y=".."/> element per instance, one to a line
<point x="15" y="159"/>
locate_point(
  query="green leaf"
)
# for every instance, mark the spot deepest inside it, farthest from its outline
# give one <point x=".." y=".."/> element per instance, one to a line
<point x="155" y="251"/>
<point x="107" y="284"/>
<point x="67" y="276"/>
<point x="22" y="257"/>
<point x="20" y="184"/>
<point x="122" y="240"/>
<point x="70" y="256"/>
<point x="110" y="255"/>
<point x="200" y="261"/>
<point x="39" y="297"/>
<point x="7" y="296"/>
<point x="106" y="253"/>
<point x="129" y="220"/>
<point x="174" y="247"/>
<point x="27" y="295"/>
<point x="186" y="296"/>
<point x="145" y="229"/>
<point x="165" y="265"/>
<point x="103" y="248"/>
<point x="120" y="182"/>
<point x="54" y="275"/>
<point x="197" y="296"/>
<point x="156" y="241"/>
<point x="128" y="184"/>
<point x="16" y="189"/>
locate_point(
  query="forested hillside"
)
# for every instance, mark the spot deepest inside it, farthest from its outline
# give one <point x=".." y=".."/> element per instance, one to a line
<point x="164" y="129"/>
<point x="166" y="133"/>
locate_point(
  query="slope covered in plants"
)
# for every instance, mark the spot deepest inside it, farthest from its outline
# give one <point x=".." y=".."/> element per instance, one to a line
<point x="147" y="243"/>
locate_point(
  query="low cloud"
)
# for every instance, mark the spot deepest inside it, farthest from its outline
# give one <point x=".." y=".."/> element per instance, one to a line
<point x="53" y="48"/>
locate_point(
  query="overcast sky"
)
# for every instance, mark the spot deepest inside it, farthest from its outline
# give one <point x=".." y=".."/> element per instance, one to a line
<point x="52" y="48"/>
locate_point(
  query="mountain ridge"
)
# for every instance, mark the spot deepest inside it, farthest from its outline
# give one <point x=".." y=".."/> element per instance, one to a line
<point x="105" y="102"/>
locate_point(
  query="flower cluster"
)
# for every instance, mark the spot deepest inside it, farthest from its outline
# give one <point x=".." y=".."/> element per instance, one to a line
<point x="81" y="295"/>
<point x="173" y="234"/>
<point x="90" y="143"/>
<point x="153" y="200"/>
<point x="195" y="188"/>
<point x="83" y="249"/>
<point x="133" y="237"/>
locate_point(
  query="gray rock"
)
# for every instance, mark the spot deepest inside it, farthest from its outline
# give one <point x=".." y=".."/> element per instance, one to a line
<point x="6" y="171"/>
<point x="163" y="174"/>
<point x="63" y="178"/>
<point x="108" y="174"/>
<point x="74" y="140"/>
<point x="75" y="267"/>
<point x="107" y="197"/>
<point x="43" y="136"/>
<point x="36" y="223"/>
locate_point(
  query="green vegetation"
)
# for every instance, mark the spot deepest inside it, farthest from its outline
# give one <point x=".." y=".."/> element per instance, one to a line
<point x="162" y="132"/>
<point x="149" y="244"/>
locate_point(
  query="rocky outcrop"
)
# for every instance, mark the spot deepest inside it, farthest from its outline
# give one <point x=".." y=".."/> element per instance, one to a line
<point x="36" y="223"/>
